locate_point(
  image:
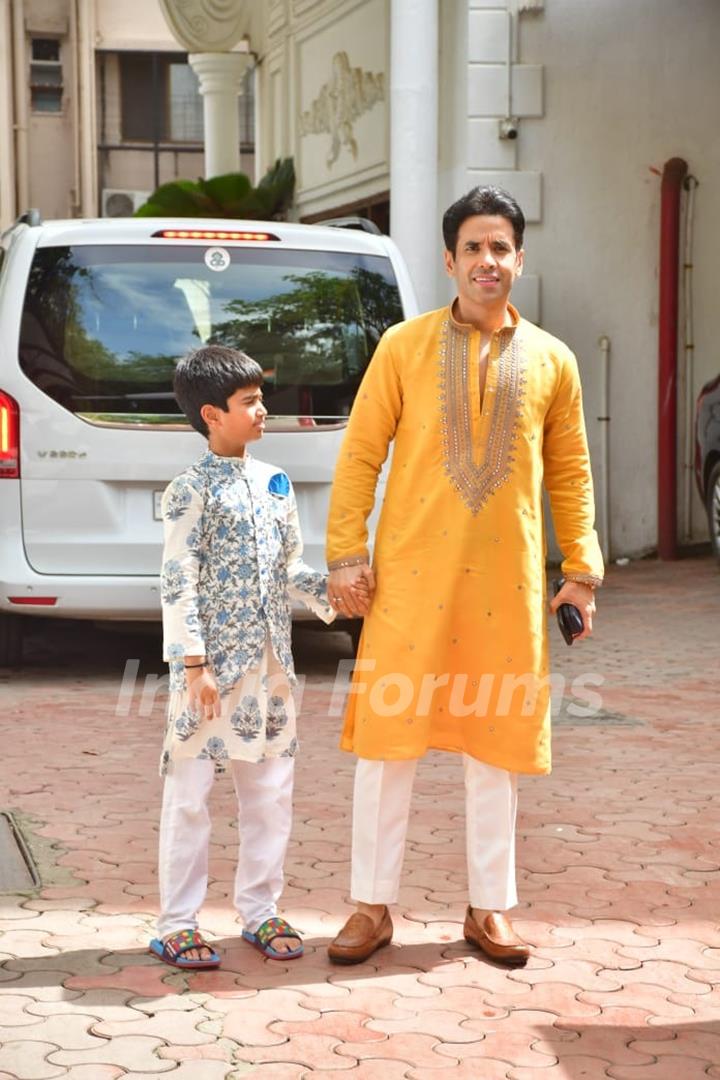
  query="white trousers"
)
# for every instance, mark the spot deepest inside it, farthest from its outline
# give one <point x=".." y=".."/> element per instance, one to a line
<point x="264" y="795"/>
<point x="381" y="808"/>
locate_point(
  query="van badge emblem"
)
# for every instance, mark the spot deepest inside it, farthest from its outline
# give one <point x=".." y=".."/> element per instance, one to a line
<point x="217" y="258"/>
<point x="72" y="454"/>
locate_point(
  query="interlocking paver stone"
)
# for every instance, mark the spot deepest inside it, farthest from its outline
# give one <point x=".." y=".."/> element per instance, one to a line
<point x="29" y="1060"/>
<point x="195" y="1070"/>
<point x="134" y="1053"/>
<point x="569" y="1067"/>
<point x="15" y="1010"/>
<point x="662" y="1069"/>
<point x="175" y="1027"/>
<point x="415" y="1049"/>
<point x="465" y="1070"/>
<point x="94" y="1072"/>
<point x="315" y="1051"/>
<point x="367" y="1070"/>
<point x="618" y="856"/>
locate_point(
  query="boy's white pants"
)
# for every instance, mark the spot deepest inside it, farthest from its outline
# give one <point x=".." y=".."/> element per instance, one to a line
<point x="264" y="794"/>
<point x="381" y="808"/>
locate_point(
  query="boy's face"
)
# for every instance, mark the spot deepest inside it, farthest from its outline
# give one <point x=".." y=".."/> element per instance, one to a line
<point x="243" y="422"/>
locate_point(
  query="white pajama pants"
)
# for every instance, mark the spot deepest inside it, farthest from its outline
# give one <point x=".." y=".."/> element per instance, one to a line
<point x="381" y="808"/>
<point x="264" y="795"/>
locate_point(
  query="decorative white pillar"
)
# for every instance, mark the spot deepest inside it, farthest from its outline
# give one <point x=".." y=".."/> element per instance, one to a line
<point x="414" y="223"/>
<point x="220" y="76"/>
<point x="209" y="29"/>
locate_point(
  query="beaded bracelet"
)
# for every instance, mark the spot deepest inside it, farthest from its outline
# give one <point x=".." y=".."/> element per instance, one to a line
<point x="356" y="560"/>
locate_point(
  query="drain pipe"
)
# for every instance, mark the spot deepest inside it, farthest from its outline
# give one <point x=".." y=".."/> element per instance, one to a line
<point x="690" y="184"/>
<point x="20" y="82"/>
<point x="604" y="420"/>
<point x="673" y="176"/>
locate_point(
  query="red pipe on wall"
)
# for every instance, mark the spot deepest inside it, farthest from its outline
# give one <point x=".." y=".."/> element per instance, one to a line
<point x="674" y="174"/>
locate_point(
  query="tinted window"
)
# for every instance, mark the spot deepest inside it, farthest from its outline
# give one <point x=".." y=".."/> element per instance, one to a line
<point x="103" y="327"/>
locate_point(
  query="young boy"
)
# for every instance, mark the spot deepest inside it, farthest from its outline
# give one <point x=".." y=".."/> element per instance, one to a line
<point x="232" y="563"/>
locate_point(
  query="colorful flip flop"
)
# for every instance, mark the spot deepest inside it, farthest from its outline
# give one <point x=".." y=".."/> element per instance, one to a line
<point x="173" y="950"/>
<point x="267" y="933"/>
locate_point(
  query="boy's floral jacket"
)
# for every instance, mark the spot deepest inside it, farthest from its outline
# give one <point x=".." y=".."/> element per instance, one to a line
<point x="232" y="565"/>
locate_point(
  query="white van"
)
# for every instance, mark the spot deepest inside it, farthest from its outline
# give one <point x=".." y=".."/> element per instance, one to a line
<point x="93" y="318"/>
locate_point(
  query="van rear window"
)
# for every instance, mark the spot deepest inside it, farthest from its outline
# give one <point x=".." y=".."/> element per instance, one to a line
<point x="103" y="327"/>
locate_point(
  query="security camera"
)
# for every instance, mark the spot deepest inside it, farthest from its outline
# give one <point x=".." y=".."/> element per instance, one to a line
<point x="508" y="128"/>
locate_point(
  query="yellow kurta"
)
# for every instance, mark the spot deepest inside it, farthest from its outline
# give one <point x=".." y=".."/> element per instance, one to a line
<point x="453" y="654"/>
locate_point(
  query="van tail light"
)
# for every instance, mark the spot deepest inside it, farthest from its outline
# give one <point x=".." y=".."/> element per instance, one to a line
<point x="9" y="438"/>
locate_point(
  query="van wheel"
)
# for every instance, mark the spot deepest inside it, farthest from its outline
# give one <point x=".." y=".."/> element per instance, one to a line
<point x="354" y="629"/>
<point x="11" y="640"/>
<point x="712" y="505"/>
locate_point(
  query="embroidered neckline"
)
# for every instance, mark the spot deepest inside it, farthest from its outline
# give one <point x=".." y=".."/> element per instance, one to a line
<point x="468" y="328"/>
<point x="211" y="458"/>
<point x="476" y="481"/>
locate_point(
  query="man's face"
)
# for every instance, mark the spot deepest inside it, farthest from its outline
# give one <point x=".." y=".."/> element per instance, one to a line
<point x="485" y="263"/>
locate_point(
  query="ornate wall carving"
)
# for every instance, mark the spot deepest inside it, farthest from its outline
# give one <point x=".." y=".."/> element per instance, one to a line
<point x="348" y="94"/>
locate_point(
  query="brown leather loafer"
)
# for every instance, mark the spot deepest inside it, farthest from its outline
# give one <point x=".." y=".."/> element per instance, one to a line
<point x="359" y="939"/>
<point x="496" y="938"/>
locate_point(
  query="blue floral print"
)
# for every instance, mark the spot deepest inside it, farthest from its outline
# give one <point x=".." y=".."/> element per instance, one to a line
<point x="214" y="749"/>
<point x="246" y="721"/>
<point x="232" y="567"/>
<point x="277" y="717"/>
<point x="173" y="582"/>
<point x="187" y="724"/>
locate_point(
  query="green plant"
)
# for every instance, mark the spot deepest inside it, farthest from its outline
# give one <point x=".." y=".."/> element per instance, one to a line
<point x="228" y="196"/>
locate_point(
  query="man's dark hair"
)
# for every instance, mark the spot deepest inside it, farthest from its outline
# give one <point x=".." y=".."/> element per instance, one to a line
<point x="209" y="376"/>
<point x="493" y="201"/>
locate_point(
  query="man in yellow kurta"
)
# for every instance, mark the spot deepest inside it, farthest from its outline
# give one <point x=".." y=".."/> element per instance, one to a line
<point x="482" y="407"/>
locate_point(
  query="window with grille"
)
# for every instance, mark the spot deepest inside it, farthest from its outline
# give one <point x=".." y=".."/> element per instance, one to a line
<point x="161" y="100"/>
<point x="46" y="80"/>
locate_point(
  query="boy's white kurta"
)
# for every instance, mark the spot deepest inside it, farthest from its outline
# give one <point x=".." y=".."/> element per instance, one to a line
<point x="232" y="564"/>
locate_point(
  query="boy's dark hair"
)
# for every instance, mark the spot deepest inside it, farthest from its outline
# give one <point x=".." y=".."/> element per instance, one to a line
<point x="209" y="376"/>
<point x="482" y="200"/>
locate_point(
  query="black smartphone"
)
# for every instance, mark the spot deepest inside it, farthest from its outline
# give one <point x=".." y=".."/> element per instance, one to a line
<point x="569" y="618"/>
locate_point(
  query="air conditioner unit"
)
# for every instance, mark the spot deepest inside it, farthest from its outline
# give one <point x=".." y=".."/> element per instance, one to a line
<point x="117" y="202"/>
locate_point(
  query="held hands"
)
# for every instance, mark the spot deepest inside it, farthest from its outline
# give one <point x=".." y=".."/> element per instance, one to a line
<point x="203" y="694"/>
<point x="583" y="597"/>
<point x="351" y="589"/>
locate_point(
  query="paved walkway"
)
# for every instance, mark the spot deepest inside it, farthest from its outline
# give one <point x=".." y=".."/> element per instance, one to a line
<point x="619" y="857"/>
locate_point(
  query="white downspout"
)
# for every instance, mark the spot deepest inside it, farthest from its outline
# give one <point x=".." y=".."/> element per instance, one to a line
<point x="604" y="421"/>
<point x="88" y="199"/>
<point x="8" y="211"/>
<point x="75" y="199"/>
<point x="414" y="224"/>
<point x="21" y="112"/>
<point x="509" y="67"/>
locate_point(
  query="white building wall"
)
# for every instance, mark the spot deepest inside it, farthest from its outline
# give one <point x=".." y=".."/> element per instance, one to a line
<point x="323" y="88"/>
<point x="627" y="86"/>
<point x="605" y="94"/>
<point x="133" y="24"/>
